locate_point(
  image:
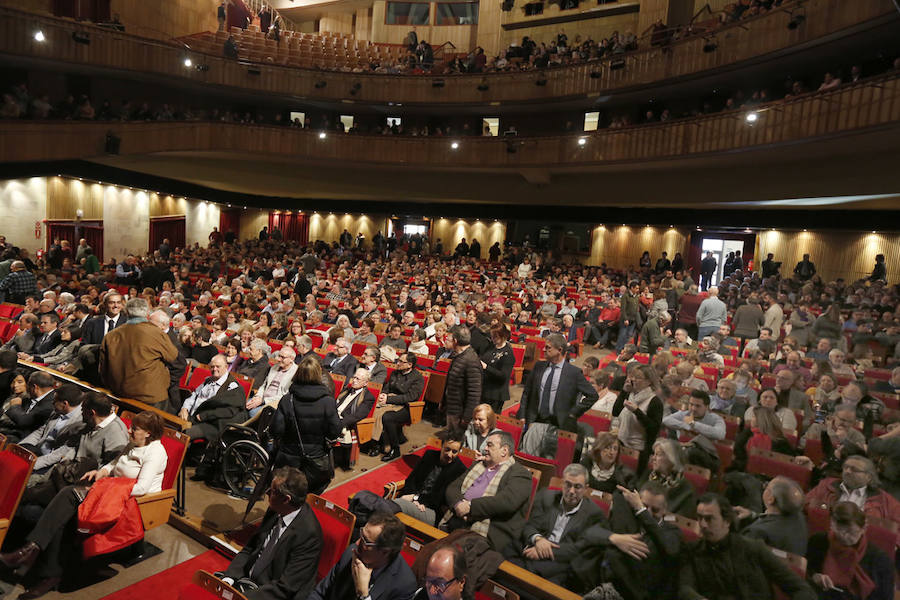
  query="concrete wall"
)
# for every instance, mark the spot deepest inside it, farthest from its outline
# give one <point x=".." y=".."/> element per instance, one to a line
<point x="126" y="222"/>
<point x="23" y="203"/>
<point x="199" y="220"/>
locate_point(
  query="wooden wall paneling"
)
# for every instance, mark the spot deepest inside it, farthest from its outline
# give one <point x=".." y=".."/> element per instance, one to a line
<point x="66" y="196"/>
<point x="850" y="255"/>
<point x="166" y="20"/>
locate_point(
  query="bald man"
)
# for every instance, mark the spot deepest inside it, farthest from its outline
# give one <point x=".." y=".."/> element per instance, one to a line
<point x="214" y="403"/>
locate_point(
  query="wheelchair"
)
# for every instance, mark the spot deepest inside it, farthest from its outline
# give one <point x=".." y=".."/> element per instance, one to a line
<point x="245" y="452"/>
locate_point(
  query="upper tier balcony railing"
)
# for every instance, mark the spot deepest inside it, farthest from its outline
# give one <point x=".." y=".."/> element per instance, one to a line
<point x="747" y="40"/>
<point x="866" y="106"/>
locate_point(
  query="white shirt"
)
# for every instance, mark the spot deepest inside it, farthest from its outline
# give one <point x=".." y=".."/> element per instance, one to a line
<point x="147" y="464"/>
<point x="857" y="496"/>
<point x="203" y="393"/>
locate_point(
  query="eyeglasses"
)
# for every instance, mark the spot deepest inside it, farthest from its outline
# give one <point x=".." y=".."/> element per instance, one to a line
<point x="362" y="541"/>
<point x="439" y="584"/>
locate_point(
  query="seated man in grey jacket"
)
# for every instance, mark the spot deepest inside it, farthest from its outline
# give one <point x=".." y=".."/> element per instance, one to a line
<point x="50" y="442"/>
<point x="102" y="438"/>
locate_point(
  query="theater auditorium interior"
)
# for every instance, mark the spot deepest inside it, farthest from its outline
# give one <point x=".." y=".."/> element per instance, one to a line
<point x="444" y="299"/>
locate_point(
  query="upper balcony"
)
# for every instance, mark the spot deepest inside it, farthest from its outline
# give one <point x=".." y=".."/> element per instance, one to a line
<point x="760" y="38"/>
<point x="824" y="144"/>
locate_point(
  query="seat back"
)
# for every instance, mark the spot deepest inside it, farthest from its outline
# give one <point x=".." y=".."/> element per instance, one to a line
<point x="337" y="527"/>
<point x="2" y="441"/>
<point x="690" y="529"/>
<point x="15" y="468"/>
<point x="565" y="450"/>
<point x="245" y="383"/>
<point x="544" y="468"/>
<point x="772" y="464"/>
<point x="797" y="565"/>
<point x="198" y="376"/>
<point x="410" y="551"/>
<point x="338" y="383"/>
<point x="597" y="420"/>
<point x="883" y="534"/>
<point x="206" y="586"/>
<point x="176" y="444"/>
<point x="629" y="457"/>
<point x="495" y="591"/>
<point x="185" y="377"/>
<point x="512" y="426"/>
<point x="698" y="476"/>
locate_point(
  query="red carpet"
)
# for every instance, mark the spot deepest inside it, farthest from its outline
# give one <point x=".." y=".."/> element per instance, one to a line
<point x="375" y="479"/>
<point x="167" y="583"/>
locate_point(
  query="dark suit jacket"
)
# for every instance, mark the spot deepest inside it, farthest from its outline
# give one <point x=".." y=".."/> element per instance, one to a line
<point x="568" y="408"/>
<point x="347" y="367"/>
<point x="544" y="512"/>
<point x="291" y="572"/>
<point x="53" y="340"/>
<point x="358" y="410"/>
<point x="93" y="328"/>
<point x="416" y="479"/>
<point x="224" y="405"/>
<point x="378" y="373"/>
<point x="26" y="422"/>
<point x="395" y="582"/>
<point x="506" y="509"/>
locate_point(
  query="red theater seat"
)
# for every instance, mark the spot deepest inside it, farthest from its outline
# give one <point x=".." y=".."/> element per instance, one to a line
<point x="772" y="464"/>
<point x="337" y="526"/>
<point x="15" y="468"/>
<point x="205" y="586"/>
<point x="512" y="426"/>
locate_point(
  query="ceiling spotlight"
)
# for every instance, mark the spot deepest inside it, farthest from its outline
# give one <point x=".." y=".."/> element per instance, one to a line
<point x="39" y="36"/>
<point x="322" y="135"/>
<point x="582" y="141"/>
<point x="454" y="145"/>
<point x="752" y="117"/>
<point x="188" y="63"/>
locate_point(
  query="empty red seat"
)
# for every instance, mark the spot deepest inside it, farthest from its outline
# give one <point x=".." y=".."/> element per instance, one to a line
<point x="337" y="526"/>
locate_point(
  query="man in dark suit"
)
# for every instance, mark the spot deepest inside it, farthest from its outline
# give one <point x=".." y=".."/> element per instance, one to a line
<point x="214" y="403"/>
<point x="371" y="360"/>
<point x="556" y="391"/>
<point x="646" y="565"/>
<point x="113" y="316"/>
<point x="553" y="538"/>
<point x="23" y="415"/>
<point x="282" y="556"/>
<point x="354" y="403"/>
<point x="50" y="336"/>
<point x="341" y="362"/>
<point x="372" y="568"/>
<point x="423" y="490"/>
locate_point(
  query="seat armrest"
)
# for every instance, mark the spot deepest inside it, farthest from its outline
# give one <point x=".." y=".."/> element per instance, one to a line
<point x="155" y="508"/>
<point x="364" y="428"/>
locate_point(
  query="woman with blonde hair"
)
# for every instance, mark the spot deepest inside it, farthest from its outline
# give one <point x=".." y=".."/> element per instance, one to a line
<point x="482" y="426"/>
<point x="605" y="473"/>
<point x="640" y="411"/>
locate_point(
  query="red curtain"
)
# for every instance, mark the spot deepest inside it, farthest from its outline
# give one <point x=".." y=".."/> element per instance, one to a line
<point x="91" y="231"/>
<point x="230" y="220"/>
<point x="293" y="226"/>
<point x="167" y="227"/>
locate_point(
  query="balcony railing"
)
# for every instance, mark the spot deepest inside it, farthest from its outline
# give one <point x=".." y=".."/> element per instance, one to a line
<point x="743" y="41"/>
<point x="865" y="106"/>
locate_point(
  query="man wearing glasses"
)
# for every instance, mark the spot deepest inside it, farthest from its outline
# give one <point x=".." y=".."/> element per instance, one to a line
<point x="341" y="362"/>
<point x="554" y="536"/>
<point x="372" y="568"/>
<point x="445" y="576"/>
<point x="276" y="384"/>
<point x="281" y="559"/>
<point x="405" y="385"/>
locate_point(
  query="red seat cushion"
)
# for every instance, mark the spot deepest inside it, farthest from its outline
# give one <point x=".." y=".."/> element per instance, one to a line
<point x="335" y="539"/>
<point x="175" y="452"/>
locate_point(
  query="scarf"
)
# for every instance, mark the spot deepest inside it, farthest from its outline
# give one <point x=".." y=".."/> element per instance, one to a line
<point x="481" y="527"/>
<point x="842" y="565"/>
<point x="602" y="474"/>
<point x="631" y="432"/>
<point x="667" y="481"/>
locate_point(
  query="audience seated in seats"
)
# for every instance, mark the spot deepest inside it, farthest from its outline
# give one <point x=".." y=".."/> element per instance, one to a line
<point x="726" y="399"/>
<point x="371" y="360"/>
<point x="640" y="412"/>
<point x="491" y="497"/>
<point x="424" y="491"/>
<point x="845" y="559"/>
<point x="768" y="398"/>
<point x="100" y="439"/>
<point x="685" y="372"/>
<point x="405" y="385"/>
<point x="556" y="394"/>
<point x="666" y="467"/>
<point x="280" y="560"/>
<point x="782" y="525"/>
<point x="8" y="373"/>
<point x="256" y="366"/>
<point x="462" y="391"/>
<point x="275" y="385"/>
<point x="605" y="473"/>
<point x="725" y="564"/>
<point x="25" y="414"/>
<point x="52" y="441"/>
<point x="885" y="451"/>
<point x="354" y="403"/>
<point x="554" y="540"/>
<point x="49" y="338"/>
<point x="483" y="425"/>
<point x="762" y="430"/>
<point x="646" y="564"/>
<point x="133" y="357"/>
<point x="839" y="427"/>
<point x="307" y="424"/>
<point x="446" y="576"/>
<point x="373" y="567"/>
<point x="341" y="362"/>
<point x="27" y="334"/>
<point x="145" y="462"/>
<point x="698" y="422"/>
<point x="858" y="484"/>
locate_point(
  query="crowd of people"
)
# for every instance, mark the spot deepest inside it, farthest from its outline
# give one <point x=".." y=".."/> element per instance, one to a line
<point x="802" y="353"/>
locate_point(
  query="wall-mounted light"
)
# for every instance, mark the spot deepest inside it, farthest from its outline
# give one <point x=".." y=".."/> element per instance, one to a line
<point x="454" y="145"/>
<point x="322" y="135"/>
<point x="188" y="63"/>
<point x="39" y="36"/>
<point x="751" y="117"/>
<point x="582" y="141"/>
